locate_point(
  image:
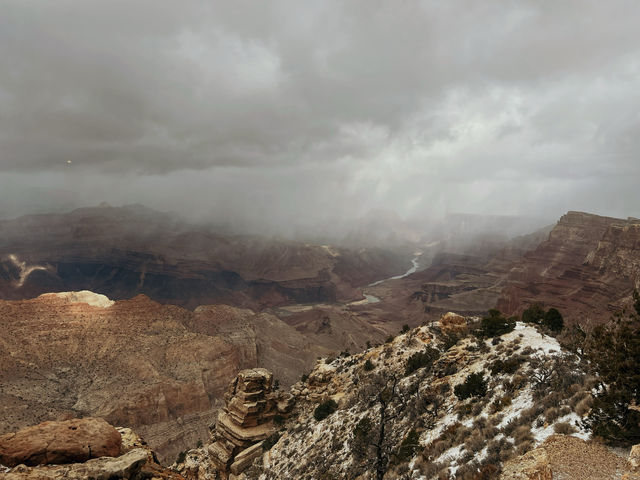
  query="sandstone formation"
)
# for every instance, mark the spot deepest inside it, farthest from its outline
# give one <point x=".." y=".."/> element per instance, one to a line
<point x="136" y="462"/>
<point x="69" y="441"/>
<point x="587" y="269"/>
<point x="452" y="322"/>
<point x="123" y="252"/>
<point x="246" y="420"/>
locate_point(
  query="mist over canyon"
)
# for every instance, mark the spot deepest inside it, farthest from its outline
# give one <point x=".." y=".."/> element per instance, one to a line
<point x="327" y="240"/>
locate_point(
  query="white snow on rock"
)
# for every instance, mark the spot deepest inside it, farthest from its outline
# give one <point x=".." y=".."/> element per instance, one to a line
<point x="532" y="338"/>
<point x="83" y="296"/>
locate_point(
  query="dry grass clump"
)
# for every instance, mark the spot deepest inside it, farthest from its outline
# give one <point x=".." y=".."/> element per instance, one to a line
<point x="551" y="414"/>
<point x="475" y="442"/>
<point x="499" y="451"/>
<point x="499" y="403"/>
<point x="528" y="415"/>
<point x="434" y="449"/>
<point x="522" y="434"/>
<point x="584" y="406"/>
<point x="524" y="447"/>
<point x="427" y="468"/>
<point x="564" y="428"/>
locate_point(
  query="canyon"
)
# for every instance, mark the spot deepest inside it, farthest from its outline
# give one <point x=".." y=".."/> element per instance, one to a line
<point x="132" y="316"/>
<point x="125" y="251"/>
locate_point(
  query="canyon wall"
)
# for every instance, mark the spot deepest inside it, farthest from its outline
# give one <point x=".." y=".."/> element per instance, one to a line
<point x="587" y="268"/>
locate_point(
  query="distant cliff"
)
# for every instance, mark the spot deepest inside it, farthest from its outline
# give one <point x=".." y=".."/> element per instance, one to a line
<point x="587" y="268"/>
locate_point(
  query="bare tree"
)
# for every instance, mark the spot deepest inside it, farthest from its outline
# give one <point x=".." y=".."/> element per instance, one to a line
<point x="374" y="440"/>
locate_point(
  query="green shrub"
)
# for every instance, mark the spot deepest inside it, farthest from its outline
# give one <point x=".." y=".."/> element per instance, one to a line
<point x="508" y="366"/>
<point x="405" y="328"/>
<point x="181" y="457"/>
<point x="553" y="320"/>
<point x="496" y="324"/>
<point x="325" y="409"/>
<point x="368" y="365"/>
<point x="270" y="441"/>
<point x="474" y="386"/>
<point x="421" y="359"/>
<point x="533" y="314"/>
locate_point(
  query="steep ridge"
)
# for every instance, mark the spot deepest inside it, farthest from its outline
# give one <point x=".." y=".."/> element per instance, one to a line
<point x="411" y="386"/>
<point x="122" y="252"/>
<point x="587" y="268"/>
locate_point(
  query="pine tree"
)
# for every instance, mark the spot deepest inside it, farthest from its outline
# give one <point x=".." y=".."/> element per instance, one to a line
<point x="614" y="350"/>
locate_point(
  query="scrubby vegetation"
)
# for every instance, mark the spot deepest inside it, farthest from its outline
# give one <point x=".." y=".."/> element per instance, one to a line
<point x="474" y="386"/>
<point x="270" y="441"/>
<point x="325" y="409"/>
<point x="552" y="318"/>
<point x="421" y="360"/>
<point x="496" y="324"/>
<point x="614" y="350"/>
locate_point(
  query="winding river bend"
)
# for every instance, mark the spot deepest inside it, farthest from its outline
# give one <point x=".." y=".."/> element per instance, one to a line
<point x="414" y="267"/>
<point x="368" y="298"/>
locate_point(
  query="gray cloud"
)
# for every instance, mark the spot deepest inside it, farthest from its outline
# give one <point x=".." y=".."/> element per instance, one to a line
<point x="293" y="113"/>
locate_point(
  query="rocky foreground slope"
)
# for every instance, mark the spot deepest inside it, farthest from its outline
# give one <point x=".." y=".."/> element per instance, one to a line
<point x="398" y="411"/>
<point x="123" y="252"/>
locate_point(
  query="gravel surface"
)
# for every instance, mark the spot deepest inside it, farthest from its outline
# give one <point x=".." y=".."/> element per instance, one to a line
<point x="574" y="459"/>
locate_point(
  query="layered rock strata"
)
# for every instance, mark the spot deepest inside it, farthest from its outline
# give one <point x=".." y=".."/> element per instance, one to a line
<point x="246" y="420"/>
<point x="158" y="368"/>
<point x="587" y="268"/>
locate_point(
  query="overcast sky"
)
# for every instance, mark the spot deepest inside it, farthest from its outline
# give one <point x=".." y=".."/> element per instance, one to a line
<point x="300" y="112"/>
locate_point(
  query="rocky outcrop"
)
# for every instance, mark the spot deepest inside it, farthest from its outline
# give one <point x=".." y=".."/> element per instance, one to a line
<point x="136" y="462"/>
<point x="71" y="441"/>
<point x="453" y="323"/>
<point x="246" y="420"/>
<point x="126" y="466"/>
<point x="533" y="465"/>
<point x="587" y="269"/>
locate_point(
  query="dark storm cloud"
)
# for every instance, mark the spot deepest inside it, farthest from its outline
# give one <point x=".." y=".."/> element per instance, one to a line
<point x="301" y="112"/>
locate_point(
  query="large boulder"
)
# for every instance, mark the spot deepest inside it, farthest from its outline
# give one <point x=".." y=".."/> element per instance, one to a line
<point x="106" y="468"/>
<point x="69" y="441"/>
<point x="453" y="323"/>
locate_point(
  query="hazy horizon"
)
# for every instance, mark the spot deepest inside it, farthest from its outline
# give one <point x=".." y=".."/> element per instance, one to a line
<point x="292" y="116"/>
